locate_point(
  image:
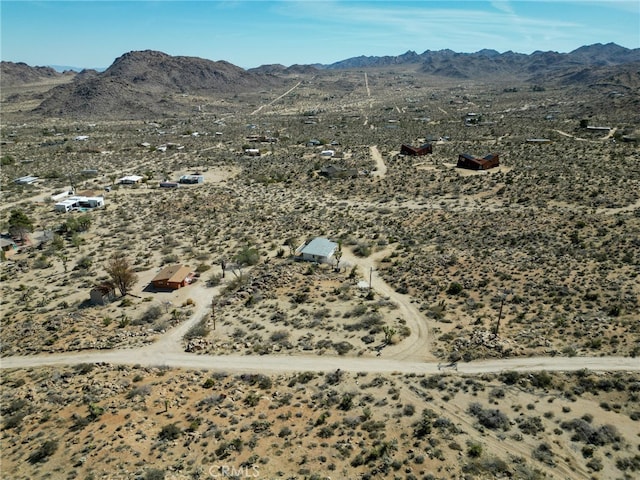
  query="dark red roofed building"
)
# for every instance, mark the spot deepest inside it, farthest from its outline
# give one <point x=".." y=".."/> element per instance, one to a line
<point x="416" y="151"/>
<point x="472" y="163"/>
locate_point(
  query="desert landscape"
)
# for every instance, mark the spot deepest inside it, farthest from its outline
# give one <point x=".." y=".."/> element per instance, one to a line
<point x="466" y="324"/>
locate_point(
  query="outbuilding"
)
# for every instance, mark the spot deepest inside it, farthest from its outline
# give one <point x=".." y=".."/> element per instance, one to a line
<point x="102" y="294"/>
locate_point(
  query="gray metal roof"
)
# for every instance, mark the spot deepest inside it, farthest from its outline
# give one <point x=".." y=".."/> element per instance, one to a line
<point x="320" y="247"/>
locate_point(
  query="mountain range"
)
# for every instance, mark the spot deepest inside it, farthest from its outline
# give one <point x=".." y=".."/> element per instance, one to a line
<point x="141" y="83"/>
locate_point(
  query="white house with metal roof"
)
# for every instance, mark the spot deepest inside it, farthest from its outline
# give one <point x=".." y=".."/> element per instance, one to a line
<point x="320" y="250"/>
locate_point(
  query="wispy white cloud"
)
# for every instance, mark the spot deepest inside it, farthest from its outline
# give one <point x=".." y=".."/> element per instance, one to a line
<point x="429" y="23"/>
<point x="503" y="6"/>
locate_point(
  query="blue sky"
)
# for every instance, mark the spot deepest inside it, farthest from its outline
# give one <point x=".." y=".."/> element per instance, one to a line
<point x="92" y="33"/>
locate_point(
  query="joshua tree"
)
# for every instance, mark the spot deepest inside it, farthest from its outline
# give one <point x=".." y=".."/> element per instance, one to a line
<point x="389" y="332"/>
<point x="338" y="255"/>
<point x="121" y="272"/>
<point x="291" y="242"/>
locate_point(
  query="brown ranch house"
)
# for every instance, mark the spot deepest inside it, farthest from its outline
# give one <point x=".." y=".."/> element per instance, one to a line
<point x="472" y="163"/>
<point x="172" y="277"/>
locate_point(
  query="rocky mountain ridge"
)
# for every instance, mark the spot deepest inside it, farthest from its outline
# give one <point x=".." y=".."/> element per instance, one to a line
<point x="142" y="83"/>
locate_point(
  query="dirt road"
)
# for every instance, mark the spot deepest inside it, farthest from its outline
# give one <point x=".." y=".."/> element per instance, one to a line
<point x="416" y="346"/>
<point x="299" y="363"/>
<point x="276" y="99"/>
<point x="381" y="168"/>
<point x="409" y="356"/>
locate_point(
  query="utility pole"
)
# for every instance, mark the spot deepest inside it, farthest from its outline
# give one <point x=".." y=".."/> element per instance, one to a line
<point x="499" y="317"/>
<point x="370" y="277"/>
<point x="504" y="297"/>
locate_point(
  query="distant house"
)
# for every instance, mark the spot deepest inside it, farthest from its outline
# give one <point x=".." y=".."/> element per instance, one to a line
<point x="538" y="141"/>
<point x="191" y="179"/>
<point x="169" y="184"/>
<point x="89" y="172"/>
<point x="472" y="163"/>
<point x="327" y="153"/>
<point x="28" y="180"/>
<point x="252" y="152"/>
<point x="102" y="294"/>
<point x="318" y="250"/>
<point x="78" y="202"/>
<point x="416" y="151"/>
<point x="130" y="180"/>
<point x="173" y="277"/>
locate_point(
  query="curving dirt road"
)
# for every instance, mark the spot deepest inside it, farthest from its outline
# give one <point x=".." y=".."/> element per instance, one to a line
<point x="415" y="347"/>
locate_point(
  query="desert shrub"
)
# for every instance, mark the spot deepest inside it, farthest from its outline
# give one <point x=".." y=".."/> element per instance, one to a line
<point x="214" y="280"/>
<point x="140" y="391"/>
<point x="13" y="421"/>
<point x="154" y="474"/>
<point x="84" y="368"/>
<point x="544" y="454"/>
<point x="252" y="399"/>
<point x="84" y="263"/>
<point x="303" y="378"/>
<point x="540" y="379"/>
<point x="422" y="427"/>
<point x="262" y="381"/>
<point x="170" y="432"/>
<point x="202" y="267"/>
<point x="279" y="336"/>
<point x="43" y="452"/>
<point x="629" y="463"/>
<point x="530" y="425"/>
<point x="342" y="347"/>
<point x="346" y="403"/>
<point x="171" y="258"/>
<point x="595" y="464"/>
<point x="490" y="418"/>
<point x="362" y="250"/>
<point x="326" y="431"/>
<point x="150" y="315"/>
<point x="368" y="322"/>
<point x="225" y="448"/>
<point x="199" y="330"/>
<point x="454" y="288"/>
<point x="215" y="399"/>
<point x="583" y="431"/>
<point x="248" y="256"/>
<point x="474" y="449"/>
<point x="408" y="410"/>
